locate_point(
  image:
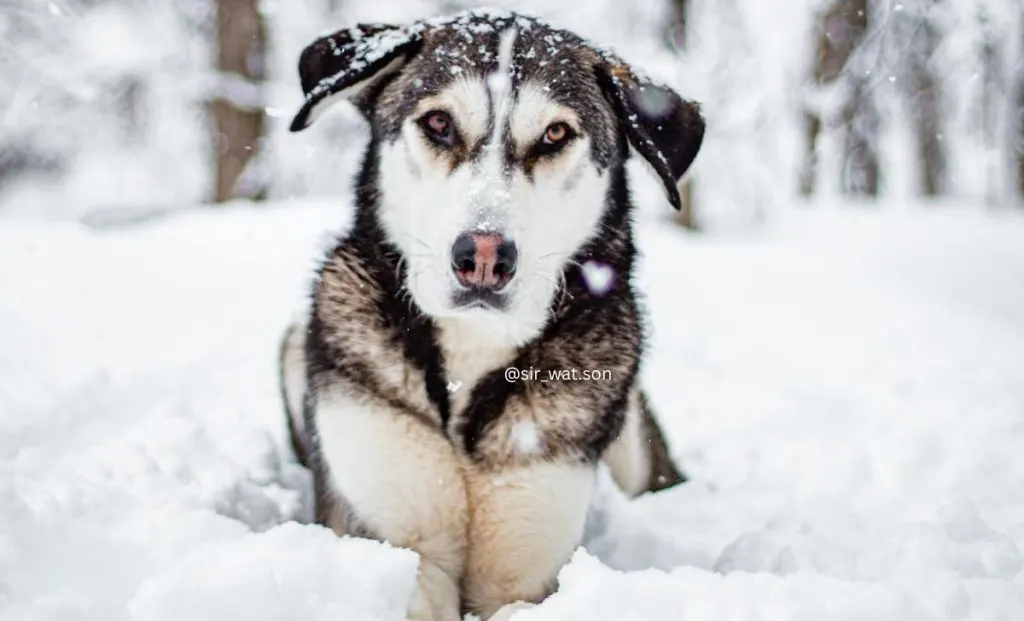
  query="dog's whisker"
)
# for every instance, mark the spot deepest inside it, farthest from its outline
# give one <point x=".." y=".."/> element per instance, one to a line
<point x="420" y="242"/>
<point x="398" y="270"/>
<point x="417" y="240"/>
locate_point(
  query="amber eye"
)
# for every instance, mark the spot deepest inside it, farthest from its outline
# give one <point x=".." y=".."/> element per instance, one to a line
<point x="556" y="133"/>
<point x="439" y="127"/>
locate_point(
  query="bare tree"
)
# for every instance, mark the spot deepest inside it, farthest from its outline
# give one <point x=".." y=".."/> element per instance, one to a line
<point x="996" y="105"/>
<point x="238" y="116"/>
<point x="1017" y="142"/>
<point x="841" y="31"/>
<point x="676" y="26"/>
<point x="923" y="93"/>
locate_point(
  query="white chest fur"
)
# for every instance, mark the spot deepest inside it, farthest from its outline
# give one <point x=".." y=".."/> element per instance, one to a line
<point x="469" y="354"/>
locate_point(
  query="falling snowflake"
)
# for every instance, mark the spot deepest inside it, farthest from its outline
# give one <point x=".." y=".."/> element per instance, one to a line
<point x="655" y="102"/>
<point x="598" y="277"/>
<point x="526" y="437"/>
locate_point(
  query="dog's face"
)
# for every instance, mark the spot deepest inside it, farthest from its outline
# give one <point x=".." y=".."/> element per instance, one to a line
<point x="496" y="137"/>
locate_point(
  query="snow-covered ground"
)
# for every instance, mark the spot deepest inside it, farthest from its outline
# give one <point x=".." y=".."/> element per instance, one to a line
<point x="845" y="388"/>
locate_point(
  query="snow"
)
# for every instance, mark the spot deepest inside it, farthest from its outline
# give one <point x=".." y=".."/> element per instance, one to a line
<point x="290" y="572"/>
<point x="527" y="438"/>
<point x="844" y="387"/>
<point x="598" y="277"/>
<point x="93" y="87"/>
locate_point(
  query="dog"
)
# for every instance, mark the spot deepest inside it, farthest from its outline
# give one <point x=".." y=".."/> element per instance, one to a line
<point x="473" y="346"/>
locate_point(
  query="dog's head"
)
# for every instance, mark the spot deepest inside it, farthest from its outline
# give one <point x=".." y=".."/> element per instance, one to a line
<point x="496" y="140"/>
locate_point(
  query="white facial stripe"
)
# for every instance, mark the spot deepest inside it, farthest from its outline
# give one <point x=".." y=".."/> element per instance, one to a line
<point x="489" y="196"/>
<point x="500" y="83"/>
<point x="534" y="111"/>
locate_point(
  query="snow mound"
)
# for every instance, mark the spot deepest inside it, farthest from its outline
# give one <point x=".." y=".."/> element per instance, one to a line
<point x="844" y="389"/>
<point x="290" y="572"/>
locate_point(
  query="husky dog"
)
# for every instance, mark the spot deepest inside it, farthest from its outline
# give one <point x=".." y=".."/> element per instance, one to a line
<point x="473" y="346"/>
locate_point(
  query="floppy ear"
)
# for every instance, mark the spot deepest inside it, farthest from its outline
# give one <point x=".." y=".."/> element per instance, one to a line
<point x="663" y="127"/>
<point x="344" y="64"/>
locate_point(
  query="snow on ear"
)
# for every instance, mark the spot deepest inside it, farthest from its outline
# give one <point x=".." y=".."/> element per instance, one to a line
<point x="663" y="127"/>
<point x="342" y="65"/>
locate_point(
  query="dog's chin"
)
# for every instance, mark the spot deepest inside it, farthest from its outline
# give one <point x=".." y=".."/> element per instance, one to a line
<point x="503" y="316"/>
<point x="485" y="324"/>
<point x="470" y="306"/>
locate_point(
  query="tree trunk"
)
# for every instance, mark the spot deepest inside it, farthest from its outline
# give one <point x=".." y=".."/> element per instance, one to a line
<point x="676" y="27"/>
<point x="860" y="170"/>
<point x="928" y="121"/>
<point x="918" y="38"/>
<point x="675" y="36"/>
<point x="841" y="30"/>
<point x="997" y="88"/>
<point x="1017" y="85"/>
<point x="241" y="43"/>
<point x="809" y="170"/>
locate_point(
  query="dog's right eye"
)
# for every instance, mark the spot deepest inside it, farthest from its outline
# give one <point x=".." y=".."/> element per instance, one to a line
<point x="439" y="127"/>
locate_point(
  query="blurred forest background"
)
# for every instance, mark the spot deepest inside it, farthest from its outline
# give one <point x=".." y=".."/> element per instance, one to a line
<point x="124" y="108"/>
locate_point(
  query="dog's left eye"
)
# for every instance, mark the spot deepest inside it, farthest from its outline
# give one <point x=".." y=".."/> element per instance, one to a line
<point x="556" y="133"/>
<point x="439" y="127"/>
<point x="556" y="136"/>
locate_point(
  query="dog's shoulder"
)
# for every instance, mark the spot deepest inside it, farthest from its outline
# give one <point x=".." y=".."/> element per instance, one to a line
<point x="364" y="335"/>
<point x="569" y="388"/>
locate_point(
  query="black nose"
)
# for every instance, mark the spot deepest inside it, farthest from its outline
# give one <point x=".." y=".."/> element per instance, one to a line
<point x="484" y="260"/>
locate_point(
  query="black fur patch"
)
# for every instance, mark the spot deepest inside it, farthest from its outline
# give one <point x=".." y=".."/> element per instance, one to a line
<point x="666" y="130"/>
<point x="607" y="95"/>
<point x="333" y="63"/>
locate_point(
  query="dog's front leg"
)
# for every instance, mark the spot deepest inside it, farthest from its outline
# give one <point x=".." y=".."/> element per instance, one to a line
<point x="402" y="482"/>
<point x="525" y="523"/>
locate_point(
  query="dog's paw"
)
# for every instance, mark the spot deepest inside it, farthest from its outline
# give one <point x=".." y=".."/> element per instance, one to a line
<point x="505" y="612"/>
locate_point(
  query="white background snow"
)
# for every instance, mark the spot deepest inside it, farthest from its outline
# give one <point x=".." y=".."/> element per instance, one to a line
<point x="845" y="389"/>
<point x="843" y="383"/>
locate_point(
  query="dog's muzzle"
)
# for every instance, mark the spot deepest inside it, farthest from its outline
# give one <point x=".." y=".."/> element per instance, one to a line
<point x="484" y="263"/>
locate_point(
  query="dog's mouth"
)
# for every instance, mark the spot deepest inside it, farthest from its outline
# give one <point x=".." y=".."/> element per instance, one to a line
<point x="479" y="298"/>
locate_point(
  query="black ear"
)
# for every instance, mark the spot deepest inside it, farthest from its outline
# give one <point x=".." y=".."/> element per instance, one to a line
<point x="663" y="127"/>
<point x="342" y="65"/>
